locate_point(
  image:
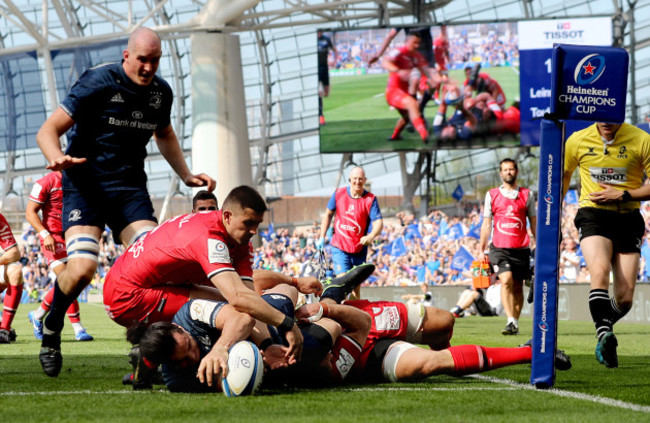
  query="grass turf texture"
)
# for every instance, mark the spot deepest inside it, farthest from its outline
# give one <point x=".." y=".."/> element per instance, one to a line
<point x="89" y="387"/>
<point x="359" y="119"/>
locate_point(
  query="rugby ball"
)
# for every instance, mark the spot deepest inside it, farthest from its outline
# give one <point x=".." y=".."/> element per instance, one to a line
<point x="452" y="98"/>
<point x="245" y="370"/>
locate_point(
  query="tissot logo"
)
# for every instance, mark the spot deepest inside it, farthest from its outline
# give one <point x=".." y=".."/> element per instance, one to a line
<point x="589" y="69"/>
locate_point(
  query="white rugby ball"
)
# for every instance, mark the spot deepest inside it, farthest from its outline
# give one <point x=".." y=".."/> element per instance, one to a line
<point x="452" y="98"/>
<point x="245" y="370"/>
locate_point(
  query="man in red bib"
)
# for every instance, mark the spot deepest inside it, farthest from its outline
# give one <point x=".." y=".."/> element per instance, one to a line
<point x="508" y="206"/>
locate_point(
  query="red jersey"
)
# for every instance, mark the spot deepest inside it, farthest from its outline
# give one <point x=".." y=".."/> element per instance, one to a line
<point x="440" y="49"/>
<point x="7" y="239"/>
<point x="352" y="220"/>
<point x="187" y="249"/>
<point x="48" y="193"/>
<point x="389" y="321"/>
<point x="490" y="86"/>
<point x="404" y="60"/>
<point x="510" y="219"/>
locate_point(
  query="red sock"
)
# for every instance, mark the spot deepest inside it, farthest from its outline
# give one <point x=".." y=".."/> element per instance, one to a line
<point x="501" y="357"/>
<point x="418" y="123"/>
<point x="12" y="298"/>
<point x="73" y="312"/>
<point x="47" y="300"/>
<point x="401" y="124"/>
<point x="474" y="358"/>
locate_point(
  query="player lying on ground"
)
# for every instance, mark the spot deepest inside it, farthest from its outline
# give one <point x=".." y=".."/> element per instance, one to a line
<point x="186" y="347"/>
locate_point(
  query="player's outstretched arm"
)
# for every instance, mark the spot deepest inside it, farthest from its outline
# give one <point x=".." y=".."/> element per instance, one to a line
<point x="171" y="150"/>
<point x="234" y="327"/>
<point x="267" y="279"/>
<point x="48" y="141"/>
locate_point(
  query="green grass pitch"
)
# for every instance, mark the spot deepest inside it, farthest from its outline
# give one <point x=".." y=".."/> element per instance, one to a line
<point x="359" y="119"/>
<point x="89" y="387"/>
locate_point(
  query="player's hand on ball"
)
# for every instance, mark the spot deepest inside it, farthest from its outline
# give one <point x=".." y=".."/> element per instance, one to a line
<point x="215" y="363"/>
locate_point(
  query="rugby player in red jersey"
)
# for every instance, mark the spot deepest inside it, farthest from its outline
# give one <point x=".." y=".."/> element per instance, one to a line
<point x="400" y="63"/>
<point x="47" y="197"/>
<point x="11" y="280"/>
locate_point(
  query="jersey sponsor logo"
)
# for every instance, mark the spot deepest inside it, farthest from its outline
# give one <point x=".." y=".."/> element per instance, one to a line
<point x="344" y="363"/>
<point x="609" y="175"/>
<point x="117" y="98"/>
<point x="5" y="233"/>
<point x="137" y="114"/>
<point x="511" y="227"/>
<point x="591" y="151"/>
<point x="349" y="226"/>
<point x="155" y="101"/>
<point x="201" y="310"/>
<point x="218" y="252"/>
<point x="74" y="215"/>
<point x="386" y="318"/>
<point x="36" y="191"/>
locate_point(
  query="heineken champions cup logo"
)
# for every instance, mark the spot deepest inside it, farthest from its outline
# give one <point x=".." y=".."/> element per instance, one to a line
<point x="589" y="69"/>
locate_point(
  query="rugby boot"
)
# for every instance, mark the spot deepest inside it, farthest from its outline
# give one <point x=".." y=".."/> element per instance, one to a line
<point x="37" y="325"/>
<point x="339" y="288"/>
<point x="50" y="355"/>
<point x="510" y="329"/>
<point x="606" y="350"/>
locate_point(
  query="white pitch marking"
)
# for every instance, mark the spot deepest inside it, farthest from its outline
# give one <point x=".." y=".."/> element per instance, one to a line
<point x="24" y="394"/>
<point x="569" y="394"/>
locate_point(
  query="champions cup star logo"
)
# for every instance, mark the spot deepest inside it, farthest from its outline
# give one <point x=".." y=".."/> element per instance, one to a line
<point x="589" y="69"/>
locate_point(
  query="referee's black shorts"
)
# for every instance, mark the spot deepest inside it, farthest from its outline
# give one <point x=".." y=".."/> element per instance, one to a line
<point x="625" y="230"/>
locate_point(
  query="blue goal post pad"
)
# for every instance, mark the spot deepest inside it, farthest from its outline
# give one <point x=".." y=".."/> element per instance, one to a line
<point x="589" y="83"/>
<point x="549" y="212"/>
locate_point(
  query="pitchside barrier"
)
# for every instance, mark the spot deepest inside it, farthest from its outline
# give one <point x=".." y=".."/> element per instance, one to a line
<point x="589" y="84"/>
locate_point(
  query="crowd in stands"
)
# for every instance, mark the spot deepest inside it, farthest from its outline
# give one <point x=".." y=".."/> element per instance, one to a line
<point x="490" y="50"/>
<point x="38" y="278"/>
<point x="436" y="249"/>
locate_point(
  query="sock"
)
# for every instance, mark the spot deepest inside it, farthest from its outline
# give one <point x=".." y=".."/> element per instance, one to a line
<point x="77" y="327"/>
<point x="320" y="106"/>
<point x="425" y="99"/>
<point x="73" y="313"/>
<point x="600" y="306"/>
<point x="13" y="295"/>
<point x="494" y="107"/>
<point x="617" y="313"/>
<point x="46" y="304"/>
<point x="456" y="310"/>
<point x="418" y="123"/>
<point x="470" y="359"/>
<point x="514" y="321"/>
<point x="53" y="323"/>
<point x="399" y="127"/>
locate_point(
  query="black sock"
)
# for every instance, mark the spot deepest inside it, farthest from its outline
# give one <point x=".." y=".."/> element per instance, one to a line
<point x="600" y="306"/>
<point x="617" y="313"/>
<point x="423" y="102"/>
<point x="320" y="106"/>
<point x="60" y="303"/>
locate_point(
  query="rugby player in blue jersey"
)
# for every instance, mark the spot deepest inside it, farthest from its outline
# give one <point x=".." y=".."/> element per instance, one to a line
<point x="109" y="116"/>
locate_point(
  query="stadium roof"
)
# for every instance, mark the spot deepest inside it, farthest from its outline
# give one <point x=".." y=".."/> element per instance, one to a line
<point x="278" y="57"/>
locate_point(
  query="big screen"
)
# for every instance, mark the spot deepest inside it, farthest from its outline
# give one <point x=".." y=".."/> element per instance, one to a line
<point x="503" y="81"/>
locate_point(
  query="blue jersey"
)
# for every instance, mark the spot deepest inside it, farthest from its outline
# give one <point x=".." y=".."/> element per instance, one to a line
<point x="197" y="318"/>
<point x="114" y="120"/>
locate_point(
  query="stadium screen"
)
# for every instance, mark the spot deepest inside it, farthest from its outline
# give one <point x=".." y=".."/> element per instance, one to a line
<point x="474" y="88"/>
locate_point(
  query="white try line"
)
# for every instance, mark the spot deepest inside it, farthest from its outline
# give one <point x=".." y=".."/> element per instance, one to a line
<point x="86" y="392"/>
<point x="568" y="394"/>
